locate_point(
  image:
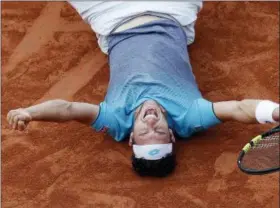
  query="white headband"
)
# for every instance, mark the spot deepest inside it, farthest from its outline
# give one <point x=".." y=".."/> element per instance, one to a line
<point x="152" y="151"/>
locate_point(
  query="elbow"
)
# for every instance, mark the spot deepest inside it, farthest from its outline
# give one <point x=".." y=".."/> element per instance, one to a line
<point x="245" y="105"/>
<point x="62" y="104"/>
<point x="242" y="104"/>
<point x="59" y="101"/>
<point x="245" y="111"/>
<point x="63" y="109"/>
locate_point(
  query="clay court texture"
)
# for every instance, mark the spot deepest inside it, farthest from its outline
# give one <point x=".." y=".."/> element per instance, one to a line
<point x="49" y="52"/>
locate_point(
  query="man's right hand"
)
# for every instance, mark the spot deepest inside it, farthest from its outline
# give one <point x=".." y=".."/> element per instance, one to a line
<point x="275" y="114"/>
<point x="53" y="111"/>
<point x="18" y="119"/>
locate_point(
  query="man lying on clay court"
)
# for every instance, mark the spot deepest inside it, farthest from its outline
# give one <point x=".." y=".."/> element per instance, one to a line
<point x="152" y="93"/>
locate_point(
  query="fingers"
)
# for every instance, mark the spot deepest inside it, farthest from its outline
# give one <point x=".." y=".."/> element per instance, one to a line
<point x="9" y="117"/>
<point x="18" y="119"/>
<point x="21" y="125"/>
<point x="15" y="122"/>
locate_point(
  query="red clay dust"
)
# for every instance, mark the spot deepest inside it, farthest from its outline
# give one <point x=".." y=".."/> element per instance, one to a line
<point x="48" y="52"/>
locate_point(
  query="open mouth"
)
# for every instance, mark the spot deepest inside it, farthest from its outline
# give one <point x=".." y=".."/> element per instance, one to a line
<point x="151" y="113"/>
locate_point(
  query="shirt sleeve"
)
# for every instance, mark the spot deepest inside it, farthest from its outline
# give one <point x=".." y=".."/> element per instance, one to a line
<point x="207" y="114"/>
<point x="107" y="122"/>
<point x="201" y="116"/>
<point x="104" y="121"/>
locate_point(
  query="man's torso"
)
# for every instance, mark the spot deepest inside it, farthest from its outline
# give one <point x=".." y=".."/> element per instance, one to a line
<point x="151" y="62"/>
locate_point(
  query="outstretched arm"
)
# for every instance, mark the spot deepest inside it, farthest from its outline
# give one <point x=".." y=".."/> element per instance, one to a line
<point x="53" y="111"/>
<point x="247" y="111"/>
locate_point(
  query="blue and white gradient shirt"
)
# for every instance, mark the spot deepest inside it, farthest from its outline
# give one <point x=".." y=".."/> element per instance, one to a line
<point x="147" y="62"/>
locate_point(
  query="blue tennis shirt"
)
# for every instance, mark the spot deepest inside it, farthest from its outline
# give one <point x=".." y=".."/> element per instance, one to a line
<point x="151" y="62"/>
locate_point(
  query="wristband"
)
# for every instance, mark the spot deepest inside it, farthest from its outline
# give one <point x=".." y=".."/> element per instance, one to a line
<point x="265" y="110"/>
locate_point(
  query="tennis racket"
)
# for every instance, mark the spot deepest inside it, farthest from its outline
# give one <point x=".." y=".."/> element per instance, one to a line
<point x="261" y="155"/>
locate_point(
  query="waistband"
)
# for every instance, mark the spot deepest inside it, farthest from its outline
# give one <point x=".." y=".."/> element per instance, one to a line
<point x="141" y="19"/>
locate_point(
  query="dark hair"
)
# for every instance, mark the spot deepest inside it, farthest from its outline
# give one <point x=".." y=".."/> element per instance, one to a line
<point x="158" y="168"/>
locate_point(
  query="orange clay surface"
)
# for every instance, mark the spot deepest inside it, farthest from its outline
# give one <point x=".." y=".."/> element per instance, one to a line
<point x="49" y="52"/>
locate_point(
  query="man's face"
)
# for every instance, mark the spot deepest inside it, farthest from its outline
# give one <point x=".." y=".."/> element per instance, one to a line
<point x="150" y="126"/>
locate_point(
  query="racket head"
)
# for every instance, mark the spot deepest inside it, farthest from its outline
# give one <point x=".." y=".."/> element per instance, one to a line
<point x="261" y="155"/>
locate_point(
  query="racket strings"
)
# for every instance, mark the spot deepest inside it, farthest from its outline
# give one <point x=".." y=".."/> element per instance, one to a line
<point x="259" y="146"/>
<point x="269" y="141"/>
<point x="272" y="138"/>
<point x="264" y="154"/>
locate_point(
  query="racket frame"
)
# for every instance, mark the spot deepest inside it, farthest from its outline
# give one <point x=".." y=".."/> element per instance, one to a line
<point x="248" y="147"/>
